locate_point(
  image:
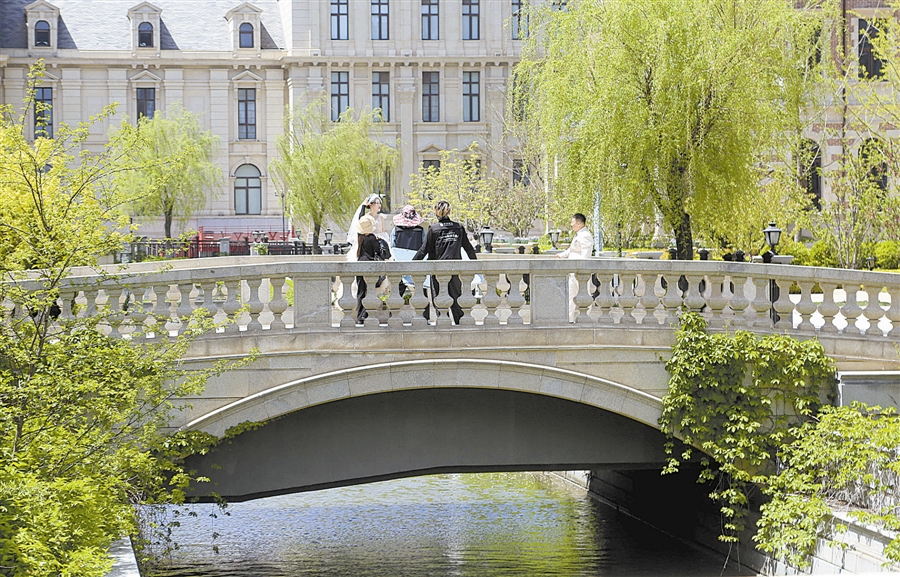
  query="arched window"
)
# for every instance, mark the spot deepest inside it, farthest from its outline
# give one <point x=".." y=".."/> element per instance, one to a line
<point x="810" y="171"/>
<point x="247" y="190"/>
<point x="246" y="35"/>
<point x="872" y="154"/>
<point x="145" y="35"/>
<point x="42" y="33"/>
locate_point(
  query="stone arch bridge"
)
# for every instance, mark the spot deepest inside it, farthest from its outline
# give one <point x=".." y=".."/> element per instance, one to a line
<point x="514" y="386"/>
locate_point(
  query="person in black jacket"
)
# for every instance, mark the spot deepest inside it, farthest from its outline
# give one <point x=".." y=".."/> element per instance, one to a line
<point x="367" y="248"/>
<point x="445" y="240"/>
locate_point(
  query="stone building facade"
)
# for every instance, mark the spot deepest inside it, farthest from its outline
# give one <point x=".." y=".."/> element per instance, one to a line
<point x="437" y="68"/>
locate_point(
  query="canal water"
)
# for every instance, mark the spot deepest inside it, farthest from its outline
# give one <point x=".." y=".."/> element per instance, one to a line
<point x="484" y="525"/>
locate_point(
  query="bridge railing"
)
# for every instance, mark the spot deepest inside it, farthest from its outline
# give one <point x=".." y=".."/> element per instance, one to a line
<point x="310" y="294"/>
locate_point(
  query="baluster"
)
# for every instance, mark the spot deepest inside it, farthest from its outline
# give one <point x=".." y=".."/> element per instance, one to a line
<point x="491" y="300"/>
<point x="828" y="308"/>
<point x="582" y="299"/>
<point x="715" y="301"/>
<point x="516" y="300"/>
<point x="278" y="304"/>
<point x="347" y="303"/>
<point x="694" y="301"/>
<point x="91" y="296"/>
<point x="605" y="300"/>
<point x="873" y="311"/>
<point x="161" y="312"/>
<point x="254" y="304"/>
<point x="208" y="289"/>
<point x="738" y="302"/>
<point x="627" y="298"/>
<point x="466" y="301"/>
<point x="649" y="299"/>
<point x="806" y="307"/>
<point x="232" y="305"/>
<point x="673" y="298"/>
<point x="851" y="310"/>
<point x="395" y="304"/>
<point x="185" y="305"/>
<point x="761" y="303"/>
<point x="783" y="305"/>
<point x="371" y="303"/>
<point x="418" y="301"/>
<point x="138" y="311"/>
<point x="66" y="305"/>
<point x="113" y="312"/>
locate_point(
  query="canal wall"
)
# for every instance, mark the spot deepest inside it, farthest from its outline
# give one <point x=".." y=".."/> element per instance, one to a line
<point x="679" y="506"/>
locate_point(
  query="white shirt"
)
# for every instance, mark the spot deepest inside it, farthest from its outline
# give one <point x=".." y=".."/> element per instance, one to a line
<point x="581" y="247"/>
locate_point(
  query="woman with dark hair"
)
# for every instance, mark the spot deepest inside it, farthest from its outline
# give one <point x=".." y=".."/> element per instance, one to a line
<point x="370" y="206"/>
<point x="367" y="248"/>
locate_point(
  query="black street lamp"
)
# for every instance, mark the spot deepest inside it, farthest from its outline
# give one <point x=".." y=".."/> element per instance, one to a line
<point x="554" y="237"/>
<point x="773" y="235"/>
<point x="328" y="235"/>
<point x="487" y="235"/>
<point x="870" y="262"/>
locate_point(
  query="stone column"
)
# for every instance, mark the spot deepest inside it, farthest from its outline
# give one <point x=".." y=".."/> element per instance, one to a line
<point x="69" y="108"/>
<point x="174" y="87"/>
<point x="406" y="110"/>
<point x="219" y="120"/>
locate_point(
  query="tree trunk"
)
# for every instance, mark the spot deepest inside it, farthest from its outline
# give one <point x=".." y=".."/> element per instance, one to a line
<point x="168" y="217"/>
<point x="316" y="227"/>
<point x="684" y="238"/>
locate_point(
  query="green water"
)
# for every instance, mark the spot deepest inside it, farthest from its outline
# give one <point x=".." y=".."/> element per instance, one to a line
<point x="483" y="525"/>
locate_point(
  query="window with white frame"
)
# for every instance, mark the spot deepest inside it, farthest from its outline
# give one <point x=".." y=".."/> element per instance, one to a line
<point x="42" y="33"/>
<point x="430" y="20"/>
<point x="145" y="35"/>
<point x="245" y="35"/>
<point x="517" y="19"/>
<point x="431" y="97"/>
<point x="380" y="20"/>
<point x="43" y="112"/>
<point x="247" y="190"/>
<point x="381" y="94"/>
<point x="339" y="20"/>
<point x="870" y="67"/>
<point x="340" y="94"/>
<point x="247" y="113"/>
<point x="471" y="96"/>
<point x="146" y="102"/>
<point x="471" y="23"/>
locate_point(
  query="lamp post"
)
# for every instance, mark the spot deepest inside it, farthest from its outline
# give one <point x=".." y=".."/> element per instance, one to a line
<point x="554" y="237"/>
<point x="328" y="235"/>
<point x="283" y="219"/>
<point x="487" y="235"/>
<point x="773" y="235"/>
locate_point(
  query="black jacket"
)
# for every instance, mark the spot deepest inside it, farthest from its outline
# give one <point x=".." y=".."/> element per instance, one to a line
<point x="445" y="241"/>
<point x="369" y="247"/>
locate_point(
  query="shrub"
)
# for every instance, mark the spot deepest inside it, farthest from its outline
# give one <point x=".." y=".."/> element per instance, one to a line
<point x="887" y="254"/>
<point x="820" y="254"/>
<point x="797" y="249"/>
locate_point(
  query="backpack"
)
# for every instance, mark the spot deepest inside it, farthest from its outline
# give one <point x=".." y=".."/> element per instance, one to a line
<point x="409" y="238"/>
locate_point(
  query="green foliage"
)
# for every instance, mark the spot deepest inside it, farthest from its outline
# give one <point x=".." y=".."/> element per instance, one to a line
<point x="736" y="398"/>
<point x="324" y="169"/>
<point x="887" y="254"/>
<point x="661" y="100"/>
<point x="82" y="415"/>
<point x="844" y="459"/>
<point x="516" y="208"/>
<point x="822" y="254"/>
<point x="796" y="249"/>
<point x="174" y="166"/>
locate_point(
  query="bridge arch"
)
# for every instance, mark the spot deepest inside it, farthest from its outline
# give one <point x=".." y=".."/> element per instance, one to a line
<point x="420" y="417"/>
<point x="333" y="386"/>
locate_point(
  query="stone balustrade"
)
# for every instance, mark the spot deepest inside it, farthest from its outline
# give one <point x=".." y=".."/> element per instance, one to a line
<point x="311" y="294"/>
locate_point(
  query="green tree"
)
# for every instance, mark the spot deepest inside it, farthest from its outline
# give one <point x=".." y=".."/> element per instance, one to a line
<point x="460" y="180"/>
<point x="175" y="170"/>
<point x="81" y="414"/>
<point x="326" y="168"/>
<point x="664" y="98"/>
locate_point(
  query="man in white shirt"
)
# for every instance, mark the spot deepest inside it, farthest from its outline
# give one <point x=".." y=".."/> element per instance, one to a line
<point x="581" y="247"/>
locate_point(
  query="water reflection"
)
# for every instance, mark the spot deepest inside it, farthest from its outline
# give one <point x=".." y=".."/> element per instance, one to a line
<point x="483" y="525"/>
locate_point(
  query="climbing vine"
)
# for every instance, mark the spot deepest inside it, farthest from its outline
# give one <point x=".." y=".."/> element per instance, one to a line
<point x="739" y="398"/>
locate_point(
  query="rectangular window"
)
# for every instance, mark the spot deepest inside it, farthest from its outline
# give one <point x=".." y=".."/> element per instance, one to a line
<point x="340" y="94"/>
<point x="471" y="96"/>
<point x="380" y="20"/>
<point x="520" y="173"/>
<point x="470" y="20"/>
<point x="517" y="17"/>
<point x="435" y="164"/>
<point x="381" y="94"/>
<point x="430" y="20"/>
<point x="339" y="25"/>
<point x="560" y="5"/>
<point x="870" y="67"/>
<point x="146" y="102"/>
<point x="431" y="97"/>
<point x="43" y="112"/>
<point x="247" y="113"/>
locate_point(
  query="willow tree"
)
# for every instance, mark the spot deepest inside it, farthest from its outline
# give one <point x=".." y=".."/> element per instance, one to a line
<point x="327" y="168"/>
<point x="673" y="103"/>
<point x="176" y="170"/>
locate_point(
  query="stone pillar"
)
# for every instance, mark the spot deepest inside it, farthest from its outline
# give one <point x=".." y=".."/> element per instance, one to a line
<point x="69" y="108"/>
<point x="174" y="87"/>
<point x="117" y="84"/>
<point x="219" y="120"/>
<point x="406" y="111"/>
